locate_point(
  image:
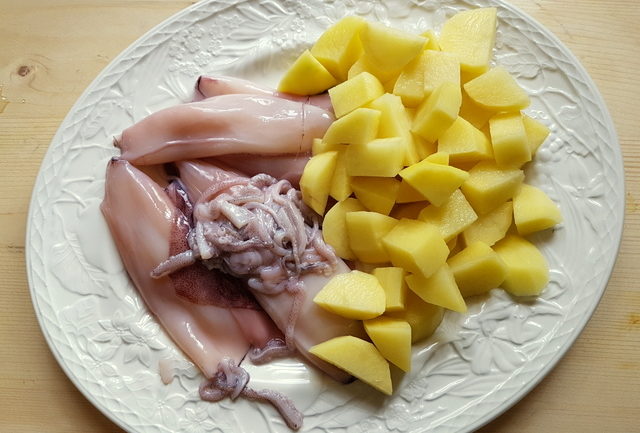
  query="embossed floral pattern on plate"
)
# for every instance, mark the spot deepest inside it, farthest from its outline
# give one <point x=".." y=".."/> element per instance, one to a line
<point x="476" y="365"/>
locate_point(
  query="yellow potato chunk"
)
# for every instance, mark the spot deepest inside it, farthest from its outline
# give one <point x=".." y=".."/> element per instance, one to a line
<point x="341" y="182"/>
<point x="408" y="210"/>
<point x="354" y="93"/>
<point x="359" y="126"/>
<point x="439" y="67"/>
<point x="488" y="186"/>
<point x="464" y="143"/>
<point x="395" y="122"/>
<point x="432" y="40"/>
<point x="527" y="269"/>
<point x="436" y="182"/>
<point x="490" y="227"/>
<point x="381" y="157"/>
<point x="354" y="295"/>
<point x="436" y="114"/>
<point x="477" y="269"/>
<point x="416" y="247"/>
<point x="441" y="158"/>
<point x="366" y="64"/>
<point x="339" y="46"/>
<point x="366" y="231"/>
<point x="533" y="210"/>
<point x="470" y="35"/>
<point x="306" y="76"/>
<point x="424" y="318"/>
<point x="392" y="337"/>
<point x="316" y="180"/>
<point x="410" y="83"/>
<point x="537" y="133"/>
<point x="509" y="140"/>
<point x="452" y="218"/>
<point x="395" y="289"/>
<point x="358" y="358"/>
<point x="497" y="90"/>
<point x="378" y="194"/>
<point x="408" y="194"/>
<point x="334" y="227"/>
<point x="423" y="147"/>
<point x="438" y="289"/>
<point x="390" y="48"/>
<point x="473" y="113"/>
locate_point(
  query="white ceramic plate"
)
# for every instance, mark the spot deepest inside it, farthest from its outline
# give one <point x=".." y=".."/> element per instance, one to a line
<point x="476" y="366"/>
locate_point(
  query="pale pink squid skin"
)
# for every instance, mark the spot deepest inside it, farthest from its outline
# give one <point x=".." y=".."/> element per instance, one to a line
<point x="287" y="167"/>
<point x="208" y="87"/>
<point x="141" y="219"/>
<point x="224" y="125"/>
<point x="313" y="325"/>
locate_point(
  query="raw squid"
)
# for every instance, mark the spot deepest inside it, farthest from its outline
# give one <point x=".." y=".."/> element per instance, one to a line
<point x="195" y="305"/>
<point x="224" y="125"/>
<point x="225" y="253"/>
<point x="208" y="87"/>
<point x="278" y="303"/>
<point x="144" y="223"/>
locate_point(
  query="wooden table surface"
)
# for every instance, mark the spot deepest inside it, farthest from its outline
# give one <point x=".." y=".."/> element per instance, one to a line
<point x="51" y="50"/>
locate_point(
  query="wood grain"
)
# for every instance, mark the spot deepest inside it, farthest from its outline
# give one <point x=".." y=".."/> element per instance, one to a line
<point x="51" y="51"/>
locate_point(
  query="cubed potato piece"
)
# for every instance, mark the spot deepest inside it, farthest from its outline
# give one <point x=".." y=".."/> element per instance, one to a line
<point x="410" y="83"/>
<point x="315" y="182"/>
<point x="408" y="194"/>
<point x="358" y="358"/>
<point x="354" y="93"/>
<point x="471" y="36"/>
<point x="423" y="147"/>
<point x="533" y="210"/>
<point x="416" y="247"/>
<point x="365" y="64"/>
<point x="432" y="40"/>
<point x="497" y="90"/>
<point x="490" y="227"/>
<point x="334" y="227"/>
<point x="423" y="317"/>
<point x="488" y="186"/>
<point x="306" y="76"/>
<point x="389" y="47"/>
<point x="477" y="269"/>
<point x="452" y="218"/>
<point x="341" y="182"/>
<point x="382" y="157"/>
<point x="395" y="122"/>
<point x="441" y="158"/>
<point x="436" y="182"/>
<point x="464" y="143"/>
<point x="527" y="269"/>
<point x="436" y="114"/>
<point x="358" y="127"/>
<point x="509" y="140"/>
<point x="354" y="295"/>
<point x="319" y="146"/>
<point x="339" y="46"/>
<point x="392" y="337"/>
<point x="378" y="194"/>
<point x="438" y="289"/>
<point x="439" y="67"/>
<point x="366" y="231"/>
<point x="473" y="113"/>
<point x="537" y="133"/>
<point x="408" y="210"/>
<point x="391" y="279"/>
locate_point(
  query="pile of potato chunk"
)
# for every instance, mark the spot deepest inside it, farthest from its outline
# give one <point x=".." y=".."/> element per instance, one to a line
<point x="420" y="181"/>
